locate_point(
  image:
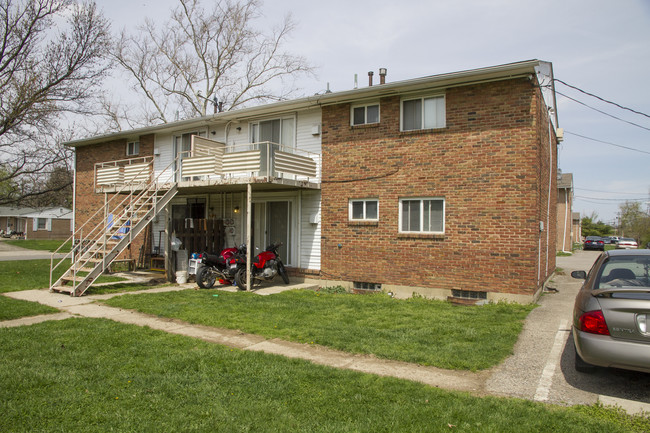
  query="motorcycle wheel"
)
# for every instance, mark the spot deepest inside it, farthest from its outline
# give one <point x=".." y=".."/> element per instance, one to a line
<point x="283" y="273"/>
<point x="206" y="277"/>
<point x="240" y="279"/>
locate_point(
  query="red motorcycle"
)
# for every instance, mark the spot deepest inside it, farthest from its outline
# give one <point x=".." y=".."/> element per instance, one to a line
<point x="266" y="265"/>
<point x="218" y="267"/>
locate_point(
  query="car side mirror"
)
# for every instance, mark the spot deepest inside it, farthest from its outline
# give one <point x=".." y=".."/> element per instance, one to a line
<point x="580" y="275"/>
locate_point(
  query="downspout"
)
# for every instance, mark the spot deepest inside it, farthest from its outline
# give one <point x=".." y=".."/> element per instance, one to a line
<point x="550" y="185"/>
<point x="566" y="215"/>
<point x="74" y="194"/>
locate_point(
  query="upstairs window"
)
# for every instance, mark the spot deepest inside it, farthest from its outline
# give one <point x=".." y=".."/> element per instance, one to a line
<point x="364" y="210"/>
<point x="278" y="131"/>
<point x="422" y="215"/>
<point x="132" y="148"/>
<point x="423" y="113"/>
<point x="365" y="114"/>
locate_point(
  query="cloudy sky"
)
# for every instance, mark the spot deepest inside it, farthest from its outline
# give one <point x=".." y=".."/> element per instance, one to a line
<point x="601" y="47"/>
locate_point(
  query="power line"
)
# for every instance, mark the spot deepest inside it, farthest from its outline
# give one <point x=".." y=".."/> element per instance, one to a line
<point x="607" y="142"/>
<point x="607" y="192"/>
<point x="602" y="112"/>
<point x="611" y="199"/>
<point x="601" y="99"/>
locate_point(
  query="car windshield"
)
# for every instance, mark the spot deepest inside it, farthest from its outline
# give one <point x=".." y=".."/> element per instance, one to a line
<point x="625" y="271"/>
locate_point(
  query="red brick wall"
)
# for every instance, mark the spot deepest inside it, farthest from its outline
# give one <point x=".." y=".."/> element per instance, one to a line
<point x="87" y="200"/>
<point x="490" y="164"/>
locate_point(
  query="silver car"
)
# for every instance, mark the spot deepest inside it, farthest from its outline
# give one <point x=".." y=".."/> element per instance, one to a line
<point x="611" y="315"/>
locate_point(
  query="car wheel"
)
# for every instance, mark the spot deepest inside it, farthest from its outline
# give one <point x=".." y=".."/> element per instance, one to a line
<point x="582" y="366"/>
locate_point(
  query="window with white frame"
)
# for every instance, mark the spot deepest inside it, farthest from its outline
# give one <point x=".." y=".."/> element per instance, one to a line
<point x="279" y="131"/>
<point x="132" y="148"/>
<point x="423" y="113"/>
<point x="364" y="210"/>
<point x="365" y="114"/>
<point x="41" y="224"/>
<point x="422" y="215"/>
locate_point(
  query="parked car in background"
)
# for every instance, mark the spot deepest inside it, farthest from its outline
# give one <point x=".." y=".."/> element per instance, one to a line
<point x="626" y="243"/>
<point x="614" y="239"/>
<point x="611" y="314"/>
<point x="594" y="243"/>
<point x="608" y="240"/>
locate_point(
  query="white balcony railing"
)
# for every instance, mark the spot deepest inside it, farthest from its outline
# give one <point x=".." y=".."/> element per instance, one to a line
<point x="214" y="162"/>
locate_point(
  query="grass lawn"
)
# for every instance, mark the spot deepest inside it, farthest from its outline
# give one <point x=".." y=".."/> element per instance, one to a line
<point x="415" y="330"/>
<point x="15" y="308"/>
<point x="34" y="274"/>
<point x="40" y="244"/>
<point x="94" y="375"/>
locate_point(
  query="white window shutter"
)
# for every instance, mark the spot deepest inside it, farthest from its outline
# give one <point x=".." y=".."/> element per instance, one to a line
<point x="34" y="224"/>
<point x="49" y="225"/>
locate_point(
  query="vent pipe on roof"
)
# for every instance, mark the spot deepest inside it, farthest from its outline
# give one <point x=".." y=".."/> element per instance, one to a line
<point x="370" y="74"/>
<point x="382" y="75"/>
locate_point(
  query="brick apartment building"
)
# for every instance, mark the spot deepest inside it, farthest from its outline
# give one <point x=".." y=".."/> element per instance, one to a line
<point x="445" y="186"/>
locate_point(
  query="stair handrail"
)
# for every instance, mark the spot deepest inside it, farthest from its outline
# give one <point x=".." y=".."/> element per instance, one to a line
<point x="154" y="184"/>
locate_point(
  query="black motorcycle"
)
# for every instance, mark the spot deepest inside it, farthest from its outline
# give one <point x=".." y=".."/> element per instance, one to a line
<point x="221" y="267"/>
<point x="266" y="265"/>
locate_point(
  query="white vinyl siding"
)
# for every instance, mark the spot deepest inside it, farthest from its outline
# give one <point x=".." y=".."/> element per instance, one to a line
<point x="423" y="113"/>
<point x="422" y="215"/>
<point x="310" y="230"/>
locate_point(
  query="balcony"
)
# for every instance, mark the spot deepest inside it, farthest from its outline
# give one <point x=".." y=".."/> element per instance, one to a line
<point x="212" y="163"/>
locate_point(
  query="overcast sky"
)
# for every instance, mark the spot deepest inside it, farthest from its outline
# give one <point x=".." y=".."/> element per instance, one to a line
<point x="601" y="47"/>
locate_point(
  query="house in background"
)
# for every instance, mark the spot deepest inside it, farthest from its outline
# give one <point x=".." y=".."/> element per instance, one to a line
<point x="445" y="186"/>
<point x="565" y="225"/>
<point x="576" y="232"/>
<point x="50" y="223"/>
<point x="12" y="220"/>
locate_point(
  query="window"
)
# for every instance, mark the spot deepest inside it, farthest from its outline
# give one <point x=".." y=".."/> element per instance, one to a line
<point x="365" y="114"/>
<point x="423" y="113"/>
<point x="364" y="210"/>
<point x="42" y="224"/>
<point x="279" y="131"/>
<point x="132" y="148"/>
<point x="422" y="215"/>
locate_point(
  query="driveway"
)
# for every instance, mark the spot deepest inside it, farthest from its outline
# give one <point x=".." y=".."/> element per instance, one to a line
<point x="542" y="368"/>
<point x="12" y="252"/>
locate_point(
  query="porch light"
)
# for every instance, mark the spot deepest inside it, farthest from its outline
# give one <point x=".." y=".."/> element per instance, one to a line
<point x="236" y="209"/>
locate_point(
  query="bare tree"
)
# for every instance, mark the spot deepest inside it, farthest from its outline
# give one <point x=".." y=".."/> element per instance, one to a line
<point x="198" y="55"/>
<point x="52" y="55"/>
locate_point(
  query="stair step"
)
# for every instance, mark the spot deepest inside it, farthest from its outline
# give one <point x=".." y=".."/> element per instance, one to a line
<point x="62" y="289"/>
<point x="71" y="278"/>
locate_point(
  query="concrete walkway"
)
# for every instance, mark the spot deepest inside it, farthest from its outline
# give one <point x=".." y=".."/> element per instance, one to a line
<point x="540" y="368"/>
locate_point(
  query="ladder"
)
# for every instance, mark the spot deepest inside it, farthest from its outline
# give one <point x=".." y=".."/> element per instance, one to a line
<point x="108" y="232"/>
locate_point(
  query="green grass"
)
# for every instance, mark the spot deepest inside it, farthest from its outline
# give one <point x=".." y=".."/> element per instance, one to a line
<point x="34" y="274"/>
<point x="40" y="244"/>
<point x="94" y="375"/>
<point x="416" y="330"/>
<point x="15" y="308"/>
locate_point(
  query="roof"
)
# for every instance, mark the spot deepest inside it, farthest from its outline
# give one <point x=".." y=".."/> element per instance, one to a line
<point x="528" y="68"/>
<point x="9" y="211"/>
<point x="565" y="181"/>
<point x="53" y="212"/>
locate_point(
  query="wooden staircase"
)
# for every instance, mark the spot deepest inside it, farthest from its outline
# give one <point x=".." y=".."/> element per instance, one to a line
<point x="122" y="217"/>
